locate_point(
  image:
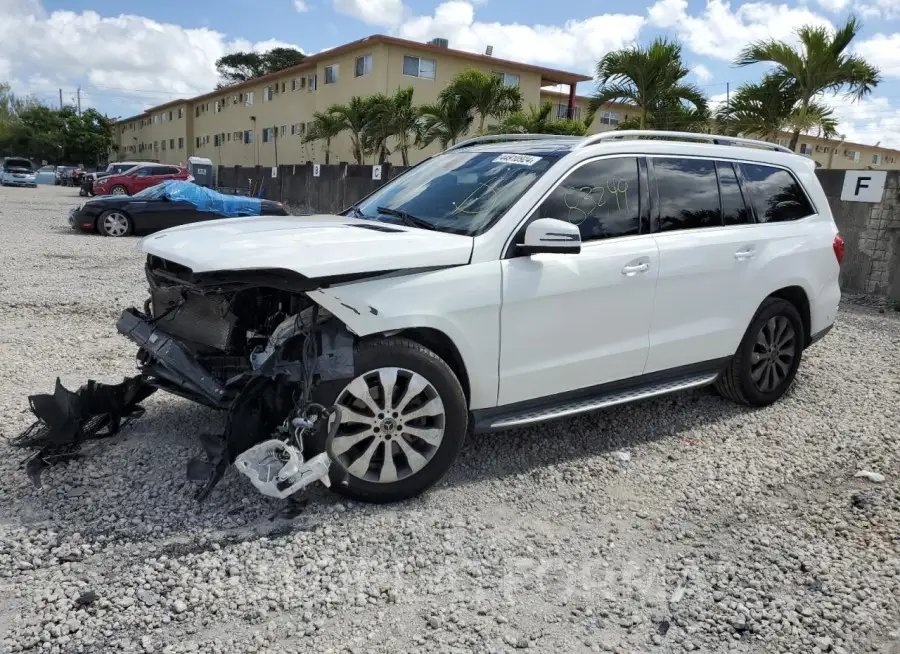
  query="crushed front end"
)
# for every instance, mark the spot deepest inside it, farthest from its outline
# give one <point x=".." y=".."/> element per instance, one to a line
<point x="251" y="343"/>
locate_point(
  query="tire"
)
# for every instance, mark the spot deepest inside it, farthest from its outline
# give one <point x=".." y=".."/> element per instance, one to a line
<point x="410" y="361"/>
<point x="115" y="223"/>
<point x="747" y="379"/>
<point x="118" y="189"/>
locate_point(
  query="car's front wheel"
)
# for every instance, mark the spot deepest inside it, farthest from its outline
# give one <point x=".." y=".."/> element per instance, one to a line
<point x="403" y="420"/>
<point x="114" y="223"/>
<point x="766" y="362"/>
<point x="118" y="190"/>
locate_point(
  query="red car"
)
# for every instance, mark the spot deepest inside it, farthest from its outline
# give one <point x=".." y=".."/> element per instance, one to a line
<point x="138" y="178"/>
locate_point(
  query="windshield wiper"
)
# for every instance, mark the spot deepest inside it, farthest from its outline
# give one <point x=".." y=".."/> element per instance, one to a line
<point x="408" y="219"/>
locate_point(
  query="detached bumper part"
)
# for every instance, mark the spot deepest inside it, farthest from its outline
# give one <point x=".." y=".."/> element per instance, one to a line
<point x="278" y="470"/>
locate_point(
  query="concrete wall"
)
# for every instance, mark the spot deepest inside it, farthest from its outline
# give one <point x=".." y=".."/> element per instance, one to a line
<point x="871" y="234"/>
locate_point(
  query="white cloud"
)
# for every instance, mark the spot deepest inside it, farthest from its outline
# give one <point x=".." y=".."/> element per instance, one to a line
<point x="882" y="50"/>
<point x="576" y="44"/>
<point x="384" y="13"/>
<point x="130" y="61"/>
<point x="721" y="32"/>
<point x="301" y="6"/>
<point x="834" y="5"/>
<point x="702" y="73"/>
<point x="869" y="121"/>
<point x="886" y="9"/>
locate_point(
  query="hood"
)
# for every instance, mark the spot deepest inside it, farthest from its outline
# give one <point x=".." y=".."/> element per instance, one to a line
<point x="313" y="246"/>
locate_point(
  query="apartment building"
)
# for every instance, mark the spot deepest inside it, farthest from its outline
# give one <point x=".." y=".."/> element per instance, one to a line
<point x="265" y="119"/>
<point x="608" y="118"/>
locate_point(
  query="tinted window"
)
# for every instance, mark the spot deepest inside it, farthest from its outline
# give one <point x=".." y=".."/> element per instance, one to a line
<point x="171" y="170"/>
<point x="602" y="197"/>
<point x="688" y="193"/>
<point x="733" y="208"/>
<point x="775" y="194"/>
<point x="145" y="172"/>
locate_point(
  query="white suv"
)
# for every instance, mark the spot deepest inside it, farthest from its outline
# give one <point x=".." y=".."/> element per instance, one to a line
<point x="507" y="281"/>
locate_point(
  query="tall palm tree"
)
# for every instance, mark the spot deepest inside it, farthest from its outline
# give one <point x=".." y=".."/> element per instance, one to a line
<point x="767" y="108"/>
<point x="404" y="120"/>
<point x="650" y="78"/>
<point x="324" y="127"/>
<point x="537" y="121"/>
<point x="445" y="121"/>
<point x="378" y="126"/>
<point x="354" y="116"/>
<point x="483" y="93"/>
<point x="821" y="64"/>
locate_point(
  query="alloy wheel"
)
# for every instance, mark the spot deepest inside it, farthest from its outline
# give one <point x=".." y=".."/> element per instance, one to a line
<point x="773" y="353"/>
<point x="115" y="224"/>
<point x="392" y="424"/>
<point x="118" y="190"/>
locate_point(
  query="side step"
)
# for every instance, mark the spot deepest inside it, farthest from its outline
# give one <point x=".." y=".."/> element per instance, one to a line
<point x="602" y="400"/>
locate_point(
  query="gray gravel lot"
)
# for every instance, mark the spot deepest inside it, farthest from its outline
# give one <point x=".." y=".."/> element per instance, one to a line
<point x="723" y="530"/>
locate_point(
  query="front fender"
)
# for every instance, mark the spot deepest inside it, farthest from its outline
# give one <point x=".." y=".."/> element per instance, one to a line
<point x="462" y="302"/>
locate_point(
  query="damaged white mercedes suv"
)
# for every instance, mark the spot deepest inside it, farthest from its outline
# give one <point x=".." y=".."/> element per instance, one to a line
<point x="507" y="281"/>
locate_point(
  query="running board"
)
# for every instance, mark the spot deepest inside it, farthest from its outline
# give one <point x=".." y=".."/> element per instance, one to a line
<point x="602" y="401"/>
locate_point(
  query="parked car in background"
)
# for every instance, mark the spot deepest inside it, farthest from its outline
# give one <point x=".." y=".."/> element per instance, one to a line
<point x="45" y="175"/>
<point x="172" y="203"/>
<point x="17" y="171"/>
<point x="139" y="178"/>
<point x="115" y="168"/>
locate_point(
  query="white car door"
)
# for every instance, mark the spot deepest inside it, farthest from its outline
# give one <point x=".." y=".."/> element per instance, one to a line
<point x="573" y="321"/>
<point x="708" y="250"/>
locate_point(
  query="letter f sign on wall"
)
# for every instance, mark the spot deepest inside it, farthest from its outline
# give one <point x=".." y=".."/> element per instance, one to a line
<point x="863" y="185"/>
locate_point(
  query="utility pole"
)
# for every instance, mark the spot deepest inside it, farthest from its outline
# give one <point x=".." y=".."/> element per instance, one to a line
<point x="60" y="100"/>
<point x="79" y="100"/>
<point x="727" y="94"/>
<point x="280" y="181"/>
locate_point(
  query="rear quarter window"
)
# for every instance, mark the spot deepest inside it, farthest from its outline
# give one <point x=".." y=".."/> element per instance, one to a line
<point x="774" y="194"/>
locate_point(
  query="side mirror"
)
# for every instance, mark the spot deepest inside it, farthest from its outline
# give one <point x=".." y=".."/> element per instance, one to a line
<point x="552" y="236"/>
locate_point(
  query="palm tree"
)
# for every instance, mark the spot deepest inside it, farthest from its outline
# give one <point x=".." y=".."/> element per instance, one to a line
<point x="354" y="117"/>
<point x="765" y="109"/>
<point x="324" y="127"/>
<point x="649" y="78"/>
<point x="445" y="121"/>
<point x="483" y="93"/>
<point x="378" y="126"/>
<point x="404" y="120"/>
<point x="821" y="64"/>
<point x="537" y="121"/>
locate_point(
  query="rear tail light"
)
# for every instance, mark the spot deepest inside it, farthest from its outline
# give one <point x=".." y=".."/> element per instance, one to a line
<point x="838" y="246"/>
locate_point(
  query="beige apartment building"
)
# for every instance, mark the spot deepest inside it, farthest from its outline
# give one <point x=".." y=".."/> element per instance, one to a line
<point x="254" y="122"/>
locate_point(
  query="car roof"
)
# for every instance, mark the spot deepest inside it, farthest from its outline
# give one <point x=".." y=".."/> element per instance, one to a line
<point x="554" y="146"/>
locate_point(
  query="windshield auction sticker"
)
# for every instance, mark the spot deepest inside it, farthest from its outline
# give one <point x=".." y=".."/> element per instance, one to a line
<point x="520" y="159"/>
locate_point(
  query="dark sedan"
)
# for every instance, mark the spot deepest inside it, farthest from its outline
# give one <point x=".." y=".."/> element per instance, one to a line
<point x="165" y="205"/>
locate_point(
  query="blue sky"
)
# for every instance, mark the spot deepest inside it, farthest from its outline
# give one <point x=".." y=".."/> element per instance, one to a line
<point x="157" y="51"/>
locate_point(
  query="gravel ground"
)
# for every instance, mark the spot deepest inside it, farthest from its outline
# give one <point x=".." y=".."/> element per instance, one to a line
<point x="680" y="524"/>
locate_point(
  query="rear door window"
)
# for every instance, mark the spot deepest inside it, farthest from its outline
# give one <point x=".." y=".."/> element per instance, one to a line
<point x="687" y="193"/>
<point x="774" y="193"/>
<point x="734" y="209"/>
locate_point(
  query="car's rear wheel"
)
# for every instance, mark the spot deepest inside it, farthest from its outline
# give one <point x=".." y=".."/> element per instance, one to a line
<point x="115" y="223"/>
<point x="766" y="362"/>
<point x="403" y="420"/>
<point x="118" y="189"/>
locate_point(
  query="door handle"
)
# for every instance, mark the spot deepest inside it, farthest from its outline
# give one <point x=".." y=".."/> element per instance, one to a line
<point x="745" y="254"/>
<point x="633" y="269"/>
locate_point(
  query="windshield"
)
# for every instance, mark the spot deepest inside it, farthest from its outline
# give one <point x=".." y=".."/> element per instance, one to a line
<point x="152" y="193"/>
<point x="460" y="192"/>
<point x="18" y="165"/>
<point x="119" y="168"/>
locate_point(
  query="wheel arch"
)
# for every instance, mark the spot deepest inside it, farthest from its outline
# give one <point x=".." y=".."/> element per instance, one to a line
<point x="798" y="296"/>
<point x="443" y="346"/>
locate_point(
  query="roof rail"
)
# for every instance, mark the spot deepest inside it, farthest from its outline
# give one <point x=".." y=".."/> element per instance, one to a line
<point x="685" y="136"/>
<point x="501" y="138"/>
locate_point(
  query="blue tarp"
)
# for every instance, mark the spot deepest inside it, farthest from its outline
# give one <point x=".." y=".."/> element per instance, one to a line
<point x="205" y="199"/>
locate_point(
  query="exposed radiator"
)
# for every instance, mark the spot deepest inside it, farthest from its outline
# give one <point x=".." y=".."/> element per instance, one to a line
<point x="199" y="319"/>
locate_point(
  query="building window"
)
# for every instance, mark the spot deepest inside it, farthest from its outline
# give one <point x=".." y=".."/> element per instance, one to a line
<point x="562" y="111"/>
<point x="508" y="79"/>
<point x="418" y="67"/>
<point x="163" y="148"/>
<point x="610" y="117"/>
<point x="876" y="159"/>
<point x="331" y="73"/>
<point x="237" y="136"/>
<point x="298" y="83"/>
<point x="266" y="134"/>
<point x="248" y="98"/>
<point x="853" y="155"/>
<point x="313" y="83"/>
<point x="180" y="113"/>
<point x="181" y="143"/>
<point x="171" y="144"/>
<point x="216" y="140"/>
<point x="197" y="145"/>
<point x="283" y="130"/>
<point x="806" y="148"/>
<point x="170" y="116"/>
<point x="363" y="65"/>
<point x="298" y="129"/>
<point x="267" y="94"/>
